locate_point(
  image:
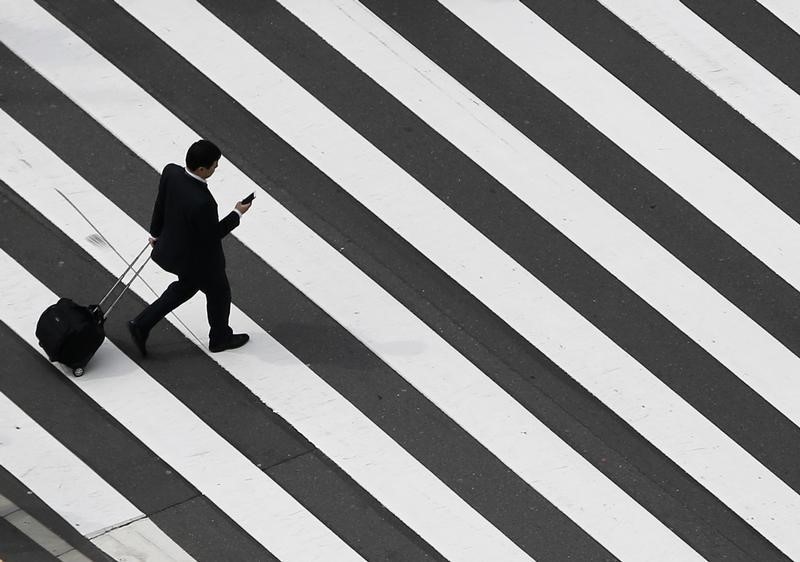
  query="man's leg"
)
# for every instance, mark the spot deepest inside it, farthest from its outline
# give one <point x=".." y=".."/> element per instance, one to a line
<point x="218" y="306"/>
<point x="175" y="295"/>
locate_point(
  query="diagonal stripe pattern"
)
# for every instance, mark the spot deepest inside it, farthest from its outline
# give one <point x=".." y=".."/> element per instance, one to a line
<point x="514" y="430"/>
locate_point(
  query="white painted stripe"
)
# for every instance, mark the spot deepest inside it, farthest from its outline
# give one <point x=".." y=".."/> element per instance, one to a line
<point x="561" y="198"/>
<point x="501" y="424"/>
<point x="56" y="475"/>
<point x="170" y="429"/>
<point x="38" y="533"/>
<point x="630" y="122"/>
<point x="6" y="506"/>
<point x="290" y="388"/>
<point x="128" y="542"/>
<point x="453" y="244"/>
<point x="364" y="308"/>
<point x="49" y="469"/>
<point x="786" y="10"/>
<point x="75" y="556"/>
<point x="719" y="64"/>
<point x="558" y="196"/>
<point x="125" y="391"/>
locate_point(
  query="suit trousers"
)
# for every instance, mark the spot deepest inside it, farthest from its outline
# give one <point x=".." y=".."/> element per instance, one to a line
<point x="217" y="290"/>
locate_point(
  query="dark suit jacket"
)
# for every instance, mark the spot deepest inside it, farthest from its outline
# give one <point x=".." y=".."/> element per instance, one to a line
<point x="187" y="226"/>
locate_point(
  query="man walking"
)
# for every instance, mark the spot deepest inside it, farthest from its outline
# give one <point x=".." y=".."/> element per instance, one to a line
<point x="186" y="235"/>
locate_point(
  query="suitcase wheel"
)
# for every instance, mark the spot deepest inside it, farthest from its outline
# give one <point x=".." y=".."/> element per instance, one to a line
<point x="77" y="372"/>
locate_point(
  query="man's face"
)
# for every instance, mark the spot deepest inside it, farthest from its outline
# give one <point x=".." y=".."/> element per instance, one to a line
<point x="206" y="173"/>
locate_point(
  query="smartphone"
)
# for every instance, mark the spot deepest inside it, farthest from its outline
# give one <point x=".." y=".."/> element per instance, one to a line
<point x="249" y="199"/>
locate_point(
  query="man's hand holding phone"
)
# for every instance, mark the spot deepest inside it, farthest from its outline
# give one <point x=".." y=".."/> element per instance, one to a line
<point x="244" y="205"/>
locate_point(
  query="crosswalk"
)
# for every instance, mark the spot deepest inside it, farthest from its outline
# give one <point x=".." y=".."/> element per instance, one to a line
<point x="520" y="278"/>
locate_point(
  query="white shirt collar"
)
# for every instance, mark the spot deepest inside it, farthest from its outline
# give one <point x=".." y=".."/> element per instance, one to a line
<point x="195" y="176"/>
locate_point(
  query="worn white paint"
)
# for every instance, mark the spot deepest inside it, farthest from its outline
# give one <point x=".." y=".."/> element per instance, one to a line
<point x="718" y="64"/>
<point x="722" y="329"/>
<point x="52" y="472"/>
<point x="126" y="543"/>
<point x="38" y="533"/>
<point x="787" y="11"/>
<point x="169" y="429"/>
<point x="349" y="296"/>
<point x="637" y="128"/>
<point x="501" y="283"/>
<point x="284" y="383"/>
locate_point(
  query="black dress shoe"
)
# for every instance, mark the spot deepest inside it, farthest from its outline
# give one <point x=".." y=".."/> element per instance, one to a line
<point x="138" y="336"/>
<point x="234" y="341"/>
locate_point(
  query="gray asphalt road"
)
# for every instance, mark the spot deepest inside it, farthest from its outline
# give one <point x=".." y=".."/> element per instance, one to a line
<point x="465" y="464"/>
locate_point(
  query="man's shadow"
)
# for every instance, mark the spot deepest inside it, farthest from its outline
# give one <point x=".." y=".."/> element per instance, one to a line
<point x="335" y="346"/>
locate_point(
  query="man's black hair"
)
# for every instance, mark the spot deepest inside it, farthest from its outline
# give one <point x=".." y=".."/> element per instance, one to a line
<point x="202" y="153"/>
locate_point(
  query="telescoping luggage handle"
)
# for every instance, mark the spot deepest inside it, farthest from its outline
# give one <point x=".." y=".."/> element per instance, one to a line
<point x="107" y="243"/>
<point x="121" y="277"/>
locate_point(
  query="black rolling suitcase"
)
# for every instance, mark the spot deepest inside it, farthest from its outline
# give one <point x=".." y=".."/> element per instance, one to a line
<point x="71" y="334"/>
